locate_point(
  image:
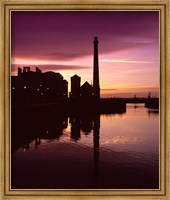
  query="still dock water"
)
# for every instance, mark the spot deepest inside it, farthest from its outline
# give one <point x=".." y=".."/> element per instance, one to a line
<point x="114" y="151"/>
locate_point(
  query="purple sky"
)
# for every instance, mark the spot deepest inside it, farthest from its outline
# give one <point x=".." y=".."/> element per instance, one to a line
<point x="62" y="41"/>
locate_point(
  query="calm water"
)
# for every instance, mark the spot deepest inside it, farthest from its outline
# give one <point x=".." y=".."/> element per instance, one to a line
<point x="116" y="151"/>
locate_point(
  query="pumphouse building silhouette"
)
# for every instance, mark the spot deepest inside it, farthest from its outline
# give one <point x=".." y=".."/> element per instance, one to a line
<point x="87" y="90"/>
<point x="75" y="86"/>
<point x="78" y="91"/>
<point x="36" y="86"/>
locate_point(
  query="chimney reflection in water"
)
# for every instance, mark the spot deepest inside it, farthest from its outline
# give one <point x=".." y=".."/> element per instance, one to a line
<point x="96" y="137"/>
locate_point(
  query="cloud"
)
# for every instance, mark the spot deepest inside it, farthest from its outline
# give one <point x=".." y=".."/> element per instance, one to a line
<point x="107" y="89"/>
<point x="64" y="55"/>
<point x="69" y="35"/>
<point x="126" y="61"/>
<point x="46" y="68"/>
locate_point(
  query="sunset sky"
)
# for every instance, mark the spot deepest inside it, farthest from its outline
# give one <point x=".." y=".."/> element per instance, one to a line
<point x="62" y="41"/>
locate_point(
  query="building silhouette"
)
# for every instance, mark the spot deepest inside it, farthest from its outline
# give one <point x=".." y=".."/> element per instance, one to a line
<point x="78" y="91"/>
<point x="87" y="90"/>
<point x="31" y="87"/>
<point x="75" y="86"/>
<point x="35" y="86"/>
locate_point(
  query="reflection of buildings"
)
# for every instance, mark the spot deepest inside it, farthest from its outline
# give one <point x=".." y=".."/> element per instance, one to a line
<point x="153" y="113"/>
<point x="96" y="137"/>
<point x="55" y="127"/>
<point x="75" y="128"/>
<point x="30" y="86"/>
<point x="37" y="142"/>
<point x="96" y="144"/>
<point x="51" y="128"/>
<point x="40" y="126"/>
<point x="84" y="124"/>
<point x="87" y="124"/>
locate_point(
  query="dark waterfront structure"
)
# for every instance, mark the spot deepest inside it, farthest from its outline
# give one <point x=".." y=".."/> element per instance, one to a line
<point x="152" y="103"/>
<point x="87" y="90"/>
<point x="37" y="87"/>
<point x="79" y="92"/>
<point x="75" y="86"/>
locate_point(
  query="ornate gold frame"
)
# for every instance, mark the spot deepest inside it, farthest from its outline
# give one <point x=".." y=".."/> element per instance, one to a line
<point x="6" y="7"/>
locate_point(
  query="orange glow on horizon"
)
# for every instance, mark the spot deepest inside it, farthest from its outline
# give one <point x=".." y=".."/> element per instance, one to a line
<point x="123" y="77"/>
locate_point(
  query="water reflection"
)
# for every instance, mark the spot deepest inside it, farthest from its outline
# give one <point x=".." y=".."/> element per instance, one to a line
<point x="50" y="128"/>
<point x="55" y="150"/>
<point x="96" y="137"/>
<point x="153" y="112"/>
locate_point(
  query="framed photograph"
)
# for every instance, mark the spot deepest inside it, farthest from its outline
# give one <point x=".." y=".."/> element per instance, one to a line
<point x="85" y="103"/>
